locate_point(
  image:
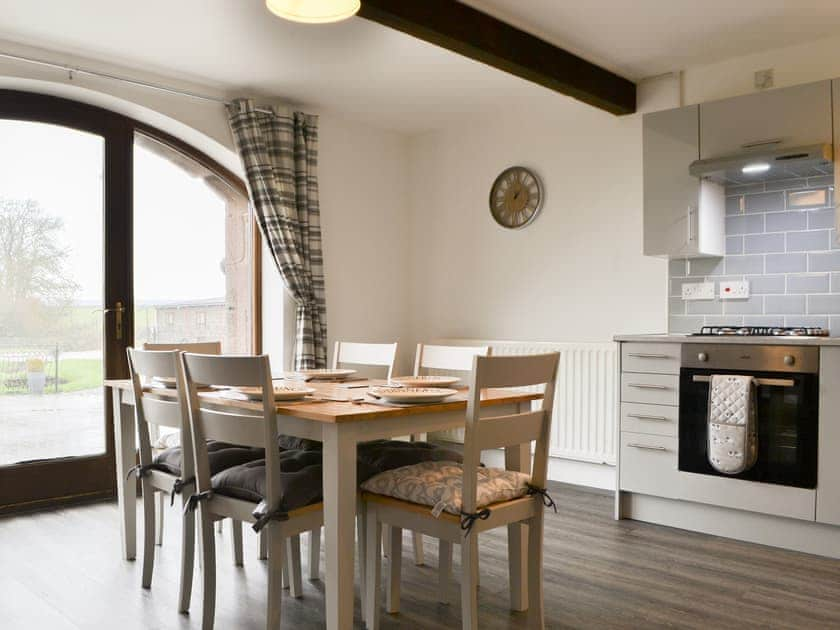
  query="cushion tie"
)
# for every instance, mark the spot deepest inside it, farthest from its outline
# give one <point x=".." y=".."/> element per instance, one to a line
<point x="469" y="519"/>
<point x="264" y="517"/>
<point x="178" y="487"/>
<point x="195" y="499"/>
<point x="546" y="498"/>
<point x="140" y="470"/>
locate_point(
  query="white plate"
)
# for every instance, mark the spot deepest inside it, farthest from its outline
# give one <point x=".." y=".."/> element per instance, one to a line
<point x="426" y="381"/>
<point x="281" y="392"/>
<point x="413" y="394"/>
<point x="321" y="374"/>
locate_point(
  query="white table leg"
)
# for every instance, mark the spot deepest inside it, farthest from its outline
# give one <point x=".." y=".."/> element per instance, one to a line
<point x="125" y="445"/>
<point x="518" y="458"/>
<point x="339" y="523"/>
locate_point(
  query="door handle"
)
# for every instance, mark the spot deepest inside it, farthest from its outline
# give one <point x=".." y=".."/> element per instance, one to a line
<point x="690" y="224"/>
<point x="119" y="310"/>
<point x="642" y="355"/>
<point x="646" y="386"/>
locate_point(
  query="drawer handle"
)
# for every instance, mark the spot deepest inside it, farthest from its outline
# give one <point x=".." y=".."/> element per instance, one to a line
<point x="647" y="386"/>
<point x="647" y="447"/>
<point x="641" y="416"/>
<point x="642" y="355"/>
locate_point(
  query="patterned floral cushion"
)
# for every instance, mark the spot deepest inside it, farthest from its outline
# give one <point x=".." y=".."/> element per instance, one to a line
<point x="439" y="485"/>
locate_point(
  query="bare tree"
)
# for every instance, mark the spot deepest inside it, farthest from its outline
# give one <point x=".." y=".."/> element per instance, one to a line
<point x="32" y="263"/>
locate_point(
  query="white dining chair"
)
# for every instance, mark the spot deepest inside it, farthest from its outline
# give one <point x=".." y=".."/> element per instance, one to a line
<point x="202" y="347"/>
<point x="431" y="359"/>
<point x="475" y="499"/>
<point x="375" y="355"/>
<point x="214" y="502"/>
<point x="158" y="480"/>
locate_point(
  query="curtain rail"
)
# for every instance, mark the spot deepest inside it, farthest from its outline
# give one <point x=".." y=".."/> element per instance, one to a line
<point x="71" y="70"/>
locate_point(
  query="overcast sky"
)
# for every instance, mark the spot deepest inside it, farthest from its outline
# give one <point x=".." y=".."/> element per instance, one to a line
<point x="179" y="222"/>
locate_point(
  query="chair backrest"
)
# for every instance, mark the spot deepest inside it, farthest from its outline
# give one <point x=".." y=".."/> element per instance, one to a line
<point x="367" y="354"/>
<point x="453" y="358"/>
<point x="231" y="425"/>
<point x="200" y="347"/>
<point x="513" y="429"/>
<point x="152" y="411"/>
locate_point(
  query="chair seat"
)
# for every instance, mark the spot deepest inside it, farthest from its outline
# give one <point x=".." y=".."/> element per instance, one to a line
<point x="379" y="456"/>
<point x="438" y="485"/>
<point x="301" y="483"/>
<point x="221" y="454"/>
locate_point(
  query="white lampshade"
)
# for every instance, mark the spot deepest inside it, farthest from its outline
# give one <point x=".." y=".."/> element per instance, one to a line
<point x="313" y="11"/>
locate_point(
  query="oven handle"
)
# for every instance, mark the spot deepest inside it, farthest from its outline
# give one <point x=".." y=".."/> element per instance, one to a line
<point x="768" y="382"/>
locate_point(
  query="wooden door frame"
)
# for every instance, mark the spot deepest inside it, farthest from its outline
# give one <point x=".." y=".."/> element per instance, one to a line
<point x="43" y="484"/>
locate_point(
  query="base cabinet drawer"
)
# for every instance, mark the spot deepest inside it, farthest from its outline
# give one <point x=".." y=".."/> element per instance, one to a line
<point x="650" y="389"/>
<point x="650" y="419"/>
<point x="649" y="464"/>
<point x="652" y="358"/>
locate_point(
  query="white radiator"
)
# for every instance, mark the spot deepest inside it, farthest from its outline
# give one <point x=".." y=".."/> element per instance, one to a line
<point x="584" y="422"/>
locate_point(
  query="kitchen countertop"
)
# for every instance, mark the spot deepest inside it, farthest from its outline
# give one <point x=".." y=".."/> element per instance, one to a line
<point x="772" y="341"/>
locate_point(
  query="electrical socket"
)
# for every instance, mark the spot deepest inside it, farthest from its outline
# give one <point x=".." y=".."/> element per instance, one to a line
<point x="692" y="291"/>
<point x="739" y="290"/>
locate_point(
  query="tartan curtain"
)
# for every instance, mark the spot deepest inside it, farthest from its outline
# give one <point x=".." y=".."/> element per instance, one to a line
<point x="279" y="151"/>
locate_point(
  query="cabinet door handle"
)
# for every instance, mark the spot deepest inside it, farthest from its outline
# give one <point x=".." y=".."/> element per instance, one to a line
<point x="647" y="447"/>
<point x="647" y="386"/>
<point x="690" y="224"/>
<point x="641" y="416"/>
<point x="643" y="355"/>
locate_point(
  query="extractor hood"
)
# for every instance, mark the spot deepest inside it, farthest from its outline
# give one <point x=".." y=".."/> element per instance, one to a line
<point x="764" y="163"/>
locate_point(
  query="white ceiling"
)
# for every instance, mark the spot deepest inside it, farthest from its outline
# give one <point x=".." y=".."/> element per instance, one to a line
<point x="389" y="79"/>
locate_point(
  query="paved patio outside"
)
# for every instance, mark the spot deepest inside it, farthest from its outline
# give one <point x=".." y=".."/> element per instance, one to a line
<point x="51" y="425"/>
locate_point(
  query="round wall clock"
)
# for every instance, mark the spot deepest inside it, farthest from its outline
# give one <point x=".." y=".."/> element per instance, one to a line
<point x="516" y="197"/>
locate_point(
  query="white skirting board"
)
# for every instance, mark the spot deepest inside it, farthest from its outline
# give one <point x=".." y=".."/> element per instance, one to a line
<point x="584" y="423"/>
<point x="787" y="533"/>
<point x="569" y="471"/>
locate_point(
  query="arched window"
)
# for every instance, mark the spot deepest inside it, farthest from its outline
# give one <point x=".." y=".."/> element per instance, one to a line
<point x="112" y="234"/>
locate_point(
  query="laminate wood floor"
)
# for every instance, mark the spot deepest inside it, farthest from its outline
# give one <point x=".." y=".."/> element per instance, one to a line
<point x="62" y="570"/>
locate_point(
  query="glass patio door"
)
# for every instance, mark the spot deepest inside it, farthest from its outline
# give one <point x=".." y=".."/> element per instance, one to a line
<point x="64" y="288"/>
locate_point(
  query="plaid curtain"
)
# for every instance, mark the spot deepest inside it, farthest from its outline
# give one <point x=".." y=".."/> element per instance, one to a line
<point x="279" y="150"/>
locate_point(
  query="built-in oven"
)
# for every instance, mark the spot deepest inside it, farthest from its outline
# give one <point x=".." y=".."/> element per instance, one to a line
<point x="787" y="379"/>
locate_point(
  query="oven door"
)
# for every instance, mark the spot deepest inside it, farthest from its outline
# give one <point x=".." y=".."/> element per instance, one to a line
<point x="787" y="427"/>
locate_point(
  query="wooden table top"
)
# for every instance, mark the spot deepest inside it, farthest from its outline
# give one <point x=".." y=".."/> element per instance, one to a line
<point x="348" y="411"/>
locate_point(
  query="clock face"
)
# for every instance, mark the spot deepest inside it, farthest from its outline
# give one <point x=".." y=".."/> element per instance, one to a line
<point x="516" y="197"/>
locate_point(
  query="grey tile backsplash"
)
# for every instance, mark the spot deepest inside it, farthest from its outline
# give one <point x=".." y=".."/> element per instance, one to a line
<point x="788" y="255"/>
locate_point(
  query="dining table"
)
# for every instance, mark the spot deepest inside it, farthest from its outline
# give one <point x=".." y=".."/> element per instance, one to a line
<point x="340" y="415"/>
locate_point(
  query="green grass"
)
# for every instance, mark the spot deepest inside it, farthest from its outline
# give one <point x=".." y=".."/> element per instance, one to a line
<point x="73" y="374"/>
<point x="77" y="374"/>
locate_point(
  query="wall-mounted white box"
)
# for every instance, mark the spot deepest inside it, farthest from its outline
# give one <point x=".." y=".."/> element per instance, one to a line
<point x="739" y="290"/>
<point x="698" y="291"/>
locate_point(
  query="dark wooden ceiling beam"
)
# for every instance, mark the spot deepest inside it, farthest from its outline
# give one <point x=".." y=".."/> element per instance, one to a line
<point x="467" y="31"/>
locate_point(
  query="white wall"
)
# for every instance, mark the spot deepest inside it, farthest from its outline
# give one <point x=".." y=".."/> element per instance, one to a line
<point x="363" y="188"/>
<point x="792" y="65"/>
<point x="576" y="273"/>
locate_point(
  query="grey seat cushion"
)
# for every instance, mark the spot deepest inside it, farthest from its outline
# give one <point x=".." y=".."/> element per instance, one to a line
<point x="301" y="470"/>
<point x="221" y="455"/>
<point x="300" y="480"/>
<point x="379" y="456"/>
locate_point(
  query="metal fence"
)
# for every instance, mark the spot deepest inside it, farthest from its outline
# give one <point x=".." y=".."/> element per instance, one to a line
<point x="18" y="360"/>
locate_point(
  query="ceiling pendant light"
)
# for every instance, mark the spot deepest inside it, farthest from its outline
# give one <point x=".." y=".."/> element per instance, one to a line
<point x="314" y="11"/>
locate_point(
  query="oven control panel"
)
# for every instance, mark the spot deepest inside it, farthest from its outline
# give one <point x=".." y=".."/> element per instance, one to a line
<point x="757" y="358"/>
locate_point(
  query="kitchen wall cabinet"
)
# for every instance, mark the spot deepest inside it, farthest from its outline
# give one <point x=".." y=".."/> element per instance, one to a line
<point x="683" y="215"/>
<point x="789" y="117"/>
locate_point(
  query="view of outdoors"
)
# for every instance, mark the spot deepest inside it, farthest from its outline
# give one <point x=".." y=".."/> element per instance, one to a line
<point x="187" y="221"/>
